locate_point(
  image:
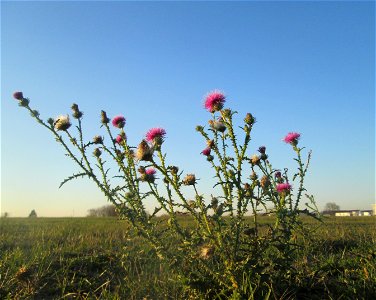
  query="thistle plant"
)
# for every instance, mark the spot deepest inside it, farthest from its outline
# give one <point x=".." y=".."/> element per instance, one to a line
<point x="228" y="252"/>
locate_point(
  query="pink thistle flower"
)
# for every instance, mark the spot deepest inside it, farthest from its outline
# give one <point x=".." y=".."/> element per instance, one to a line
<point x="18" y="95"/>
<point x="118" y="121"/>
<point x="156" y="135"/>
<point x="292" y="138"/>
<point x="150" y="171"/>
<point x="214" y="101"/>
<point x="206" y="151"/>
<point x="120" y="138"/>
<point x="283" y="187"/>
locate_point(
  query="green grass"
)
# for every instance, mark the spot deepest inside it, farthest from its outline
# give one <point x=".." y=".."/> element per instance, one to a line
<point x="100" y="258"/>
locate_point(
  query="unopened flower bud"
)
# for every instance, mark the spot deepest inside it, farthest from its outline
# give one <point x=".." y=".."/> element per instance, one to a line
<point x="97" y="152"/>
<point x="77" y="114"/>
<point x="199" y="128"/>
<point x="24" y="102"/>
<point x="210" y="158"/>
<point x="104" y="119"/>
<point x="50" y="121"/>
<point x="254" y="176"/>
<point x="249" y="119"/>
<point x="226" y="112"/>
<point x="174" y="170"/>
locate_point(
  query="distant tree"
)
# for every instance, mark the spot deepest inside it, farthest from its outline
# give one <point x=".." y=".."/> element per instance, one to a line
<point x="5" y="215"/>
<point x="331" y="206"/>
<point x="33" y="214"/>
<point x="104" y="211"/>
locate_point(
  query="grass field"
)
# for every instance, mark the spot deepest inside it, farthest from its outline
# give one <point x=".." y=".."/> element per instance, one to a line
<point x="100" y="258"/>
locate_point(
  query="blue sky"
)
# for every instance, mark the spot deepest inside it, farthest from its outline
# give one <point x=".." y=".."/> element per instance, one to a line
<point x="297" y="66"/>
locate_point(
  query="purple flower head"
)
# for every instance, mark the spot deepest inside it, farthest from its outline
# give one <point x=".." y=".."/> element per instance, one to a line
<point x="120" y="138"/>
<point x="262" y="149"/>
<point x="156" y="136"/>
<point x="278" y="174"/>
<point x="206" y="151"/>
<point x="283" y="187"/>
<point x="292" y="138"/>
<point x="118" y="121"/>
<point x="18" y="95"/>
<point x="214" y="101"/>
<point x="150" y="171"/>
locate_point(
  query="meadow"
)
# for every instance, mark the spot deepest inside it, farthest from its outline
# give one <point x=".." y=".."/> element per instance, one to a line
<point x="102" y="258"/>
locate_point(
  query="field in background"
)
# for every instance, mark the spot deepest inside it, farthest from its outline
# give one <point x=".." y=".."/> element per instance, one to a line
<point x="100" y="258"/>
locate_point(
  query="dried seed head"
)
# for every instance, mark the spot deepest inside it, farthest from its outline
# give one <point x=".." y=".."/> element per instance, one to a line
<point x="62" y="123"/>
<point x="98" y="139"/>
<point x="210" y="144"/>
<point x="189" y="179"/>
<point x="264" y="182"/>
<point x="255" y="159"/>
<point x="144" y="151"/>
<point x="206" y="252"/>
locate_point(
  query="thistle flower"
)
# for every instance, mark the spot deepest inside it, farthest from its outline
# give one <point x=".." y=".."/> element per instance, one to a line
<point x="278" y="174"/>
<point x="18" y="95"/>
<point x="62" y="123"/>
<point x="206" y="151"/>
<point x="292" y="138"/>
<point x="262" y="149"/>
<point x="118" y="121"/>
<point x="284" y="187"/>
<point x="104" y="119"/>
<point x="98" y="139"/>
<point x="189" y="179"/>
<point x="156" y="136"/>
<point x="120" y="138"/>
<point x="148" y="175"/>
<point x="206" y="252"/>
<point x="214" y="101"/>
<point x="150" y="171"/>
<point x="144" y="151"/>
<point x="24" y="102"/>
<point x="77" y="114"/>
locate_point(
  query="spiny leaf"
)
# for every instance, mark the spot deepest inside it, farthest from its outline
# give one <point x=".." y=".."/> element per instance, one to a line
<point x="74" y="176"/>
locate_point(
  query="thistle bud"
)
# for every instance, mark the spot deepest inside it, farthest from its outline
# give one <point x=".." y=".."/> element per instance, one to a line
<point x="24" y="102"/>
<point x="97" y="152"/>
<point x="77" y="114"/>
<point x="174" y="170"/>
<point x="249" y="119"/>
<point x="254" y="176"/>
<point x="199" y="128"/>
<point x="50" y="121"/>
<point x="104" y="119"/>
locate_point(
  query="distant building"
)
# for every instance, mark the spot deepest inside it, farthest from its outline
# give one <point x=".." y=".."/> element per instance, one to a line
<point x="348" y="213"/>
<point x="374" y="209"/>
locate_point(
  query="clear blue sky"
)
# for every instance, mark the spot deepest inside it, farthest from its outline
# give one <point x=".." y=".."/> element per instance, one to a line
<point x="297" y="66"/>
